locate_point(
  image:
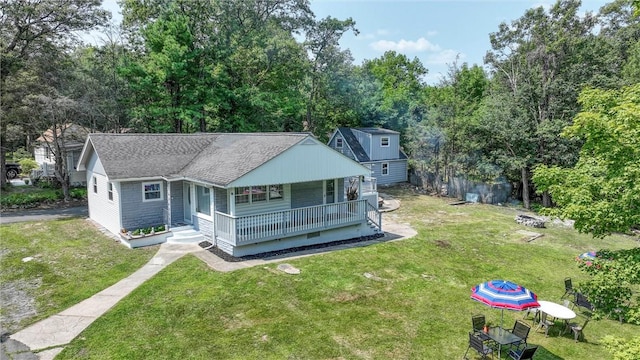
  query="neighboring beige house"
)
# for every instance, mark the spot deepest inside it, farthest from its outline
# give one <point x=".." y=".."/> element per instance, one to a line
<point x="70" y="137"/>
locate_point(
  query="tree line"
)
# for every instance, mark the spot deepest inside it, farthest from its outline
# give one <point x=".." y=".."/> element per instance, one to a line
<point x="270" y="65"/>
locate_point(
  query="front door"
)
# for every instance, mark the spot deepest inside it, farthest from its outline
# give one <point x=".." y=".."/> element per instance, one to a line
<point x="186" y="202"/>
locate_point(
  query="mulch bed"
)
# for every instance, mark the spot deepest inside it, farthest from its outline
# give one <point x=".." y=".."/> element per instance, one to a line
<point x="229" y="258"/>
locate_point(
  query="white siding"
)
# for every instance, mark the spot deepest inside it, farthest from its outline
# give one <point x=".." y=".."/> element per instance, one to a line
<point x="101" y="209"/>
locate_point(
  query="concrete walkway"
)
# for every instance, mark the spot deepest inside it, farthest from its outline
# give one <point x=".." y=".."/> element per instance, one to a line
<point x="45" y="339"/>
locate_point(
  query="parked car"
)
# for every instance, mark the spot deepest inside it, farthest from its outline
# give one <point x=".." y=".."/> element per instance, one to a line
<point x="12" y="170"/>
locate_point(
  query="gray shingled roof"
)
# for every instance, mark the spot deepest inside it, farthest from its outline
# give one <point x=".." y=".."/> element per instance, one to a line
<point x="354" y="145"/>
<point x="377" y="131"/>
<point x="213" y="158"/>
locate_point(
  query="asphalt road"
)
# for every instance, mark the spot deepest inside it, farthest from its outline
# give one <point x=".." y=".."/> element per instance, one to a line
<point x="43" y="214"/>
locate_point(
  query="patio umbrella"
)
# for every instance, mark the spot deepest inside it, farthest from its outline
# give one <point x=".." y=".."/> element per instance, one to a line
<point x="587" y="256"/>
<point x="502" y="294"/>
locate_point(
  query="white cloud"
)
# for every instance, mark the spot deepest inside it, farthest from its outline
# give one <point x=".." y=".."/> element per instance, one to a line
<point x="432" y="33"/>
<point x="419" y="45"/>
<point x="445" y="57"/>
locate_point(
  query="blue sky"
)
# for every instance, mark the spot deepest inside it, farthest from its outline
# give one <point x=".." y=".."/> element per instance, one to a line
<point x="434" y="31"/>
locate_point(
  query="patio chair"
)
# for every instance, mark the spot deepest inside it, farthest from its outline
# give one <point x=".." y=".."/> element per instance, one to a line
<point x="581" y="301"/>
<point x="545" y="324"/>
<point x="535" y="312"/>
<point x="568" y="288"/>
<point x="522" y="354"/>
<point x="521" y="330"/>
<point x="478" y="322"/>
<point x="476" y="343"/>
<point x="578" y="328"/>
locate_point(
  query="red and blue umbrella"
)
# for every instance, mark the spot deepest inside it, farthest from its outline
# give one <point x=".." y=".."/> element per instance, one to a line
<point x="590" y="255"/>
<point x="502" y="294"/>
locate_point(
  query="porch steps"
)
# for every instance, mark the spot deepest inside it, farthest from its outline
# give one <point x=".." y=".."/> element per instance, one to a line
<point x="185" y="235"/>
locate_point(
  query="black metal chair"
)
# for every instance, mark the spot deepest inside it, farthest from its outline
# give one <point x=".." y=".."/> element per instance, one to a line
<point x="521" y="330"/>
<point x="476" y="343"/>
<point x="582" y="301"/>
<point x="522" y="354"/>
<point x="568" y="288"/>
<point x="478" y="321"/>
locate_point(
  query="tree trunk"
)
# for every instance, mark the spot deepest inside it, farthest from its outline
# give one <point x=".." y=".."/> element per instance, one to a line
<point x="546" y="199"/>
<point x="525" y="188"/>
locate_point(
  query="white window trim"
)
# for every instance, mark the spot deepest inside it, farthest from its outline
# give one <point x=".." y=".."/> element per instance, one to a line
<point x="110" y="191"/>
<point x="95" y="184"/>
<point x="150" y="183"/>
<point x="382" y="169"/>
<point x="268" y="197"/>
<point x="339" y="142"/>
<point x="388" y="141"/>
<point x="207" y="191"/>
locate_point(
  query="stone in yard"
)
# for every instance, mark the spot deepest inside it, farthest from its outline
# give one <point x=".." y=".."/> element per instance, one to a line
<point x="287" y="268"/>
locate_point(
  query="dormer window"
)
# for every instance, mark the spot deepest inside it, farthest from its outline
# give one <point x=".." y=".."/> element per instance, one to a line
<point x="339" y="143"/>
<point x="384" y="141"/>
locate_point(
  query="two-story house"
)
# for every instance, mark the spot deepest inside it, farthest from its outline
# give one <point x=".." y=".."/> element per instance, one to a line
<point x="377" y="149"/>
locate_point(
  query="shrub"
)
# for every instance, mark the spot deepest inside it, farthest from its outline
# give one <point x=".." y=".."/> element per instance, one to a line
<point x="622" y="349"/>
<point x="29" y="199"/>
<point x="27" y="165"/>
<point x="78" y="193"/>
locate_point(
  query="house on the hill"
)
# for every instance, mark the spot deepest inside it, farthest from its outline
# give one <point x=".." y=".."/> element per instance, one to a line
<point x="377" y="149"/>
<point x="68" y="139"/>
<point x="245" y="193"/>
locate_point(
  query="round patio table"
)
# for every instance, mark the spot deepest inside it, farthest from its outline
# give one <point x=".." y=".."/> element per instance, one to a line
<point x="557" y="311"/>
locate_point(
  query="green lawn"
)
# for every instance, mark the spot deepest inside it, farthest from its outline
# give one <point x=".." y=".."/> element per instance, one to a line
<point x="70" y="261"/>
<point x="415" y="306"/>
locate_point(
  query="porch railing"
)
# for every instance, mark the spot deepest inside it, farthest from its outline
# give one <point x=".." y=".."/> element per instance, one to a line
<point x="243" y="230"/>
<point x="374" y="216"/>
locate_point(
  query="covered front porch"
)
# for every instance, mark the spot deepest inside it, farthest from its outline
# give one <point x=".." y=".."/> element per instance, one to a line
<point x="244" y="230"/>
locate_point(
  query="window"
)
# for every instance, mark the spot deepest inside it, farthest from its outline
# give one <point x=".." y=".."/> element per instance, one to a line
<point x="152" y="191"/>
<point x="330" y="192"/>
<point x="242" y="194"/>
<point x="258" y="193"/>
<point x="95" y="185"/>
<point x="384" y="141"/>
<point x="203" y="200"/>
<point x="339" y="142"/>
<point x="385" y="168"/>
<point x="251" y="194"/>
<point x="275" y="192"/>
<point x="110" y="190"/>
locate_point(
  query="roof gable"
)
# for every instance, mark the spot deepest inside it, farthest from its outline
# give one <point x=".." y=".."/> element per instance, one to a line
<point x="353" y="144"/>
<point x="308" y="160"/>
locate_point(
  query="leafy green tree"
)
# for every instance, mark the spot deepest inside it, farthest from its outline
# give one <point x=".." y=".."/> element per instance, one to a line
<point x="601" y="192"/>
<point x="445" y="141"/>
<point x="327" y="82"/>
<point x="401" y="84"/>
<point x="29" y="29"/>
<point x="541" y="59"/>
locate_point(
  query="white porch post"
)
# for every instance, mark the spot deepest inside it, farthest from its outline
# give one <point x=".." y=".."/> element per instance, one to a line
<point x="168" y="204"/>
<point x="232" y="201"/>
